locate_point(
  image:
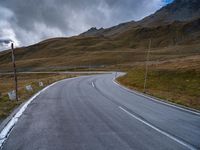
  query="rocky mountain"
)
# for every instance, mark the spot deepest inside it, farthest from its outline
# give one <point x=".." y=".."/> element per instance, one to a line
<point x="179" y="10"/>
<point x="93" y="31"/>
<point x="109" y="31"/>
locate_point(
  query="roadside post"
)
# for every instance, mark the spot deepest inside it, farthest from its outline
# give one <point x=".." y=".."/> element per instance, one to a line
<point x="146" y="66"/>
<point x="12" y="95"/>
<point x="41" y="84"/>
<point x="14" y="70"/>
<point x="29" y="88"/>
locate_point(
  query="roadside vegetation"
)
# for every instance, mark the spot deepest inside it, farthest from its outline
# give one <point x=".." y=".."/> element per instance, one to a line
<point x="181" y="86"/>
<point x="7" y="85"/>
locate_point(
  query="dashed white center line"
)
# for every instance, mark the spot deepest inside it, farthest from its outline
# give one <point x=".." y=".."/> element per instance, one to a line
<point x="159" y="130"/>
<point x="93" y="84"/>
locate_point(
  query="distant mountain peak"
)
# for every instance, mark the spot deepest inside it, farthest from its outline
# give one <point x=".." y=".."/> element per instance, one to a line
<point x="179" y="10"/>
<point x="92" y="31"/>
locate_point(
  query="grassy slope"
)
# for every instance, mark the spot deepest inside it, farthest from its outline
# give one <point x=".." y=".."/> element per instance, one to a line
<point x="179" y="84"/>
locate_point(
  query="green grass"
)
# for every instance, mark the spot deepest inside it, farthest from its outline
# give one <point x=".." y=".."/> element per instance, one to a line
<point x="178" y="86"/>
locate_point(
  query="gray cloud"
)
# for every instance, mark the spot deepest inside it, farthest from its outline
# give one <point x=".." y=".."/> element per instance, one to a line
<point x="29" y="21"/>
<point x="5" y="43"/>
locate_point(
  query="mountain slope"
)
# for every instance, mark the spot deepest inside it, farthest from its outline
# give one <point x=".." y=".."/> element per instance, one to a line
<point x="109" y="31"/>
<point x="179" y="10"/>
<point x="176" y="40"/>
<point x="125" y="44"/>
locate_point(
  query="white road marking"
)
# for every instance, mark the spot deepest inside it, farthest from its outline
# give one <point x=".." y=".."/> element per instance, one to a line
<point x="160" y="131"/>
<point x="7" y="129"/>
<point x="5" y="132"/>
<point x="159" y="101"/>
<point x="93" y="84"/>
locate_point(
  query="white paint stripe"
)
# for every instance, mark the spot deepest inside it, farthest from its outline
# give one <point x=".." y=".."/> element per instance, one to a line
<point x="4" y="133"/>
<point x="160" y="131"/>
<point x="6" y="130"/>
<point x="92" y="84"/>
<point x="159" y="101"/>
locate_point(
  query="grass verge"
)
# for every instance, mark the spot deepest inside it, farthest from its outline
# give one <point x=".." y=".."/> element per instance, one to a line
<point x="177" y="86"/>
<point x="7" y="84"/>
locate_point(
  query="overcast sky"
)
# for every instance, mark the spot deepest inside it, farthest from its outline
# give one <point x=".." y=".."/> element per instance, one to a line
<point x="29" y="21"/>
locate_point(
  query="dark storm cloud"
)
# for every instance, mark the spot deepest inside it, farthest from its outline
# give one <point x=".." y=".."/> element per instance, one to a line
<point x="29" y="21"/>
<point x="5" y="42"/>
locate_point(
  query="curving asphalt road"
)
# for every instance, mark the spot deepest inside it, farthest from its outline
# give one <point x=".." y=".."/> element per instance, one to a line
<point x="94" y="113"/>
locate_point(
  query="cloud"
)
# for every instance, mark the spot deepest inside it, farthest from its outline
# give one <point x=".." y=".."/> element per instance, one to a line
<point x="29" y="21"/>
<point x="6" y="31"/>
<point x="4" y="43"/>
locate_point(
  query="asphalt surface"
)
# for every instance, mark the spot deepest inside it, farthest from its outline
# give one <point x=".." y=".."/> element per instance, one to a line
<point x="94" y="113"/>
<point x="59" y="72"/>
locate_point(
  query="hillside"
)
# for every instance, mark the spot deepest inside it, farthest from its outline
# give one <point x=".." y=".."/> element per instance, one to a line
<point x="179" y="10"/>
<point x="110" y="31"/>
<point x="122" y="45"/>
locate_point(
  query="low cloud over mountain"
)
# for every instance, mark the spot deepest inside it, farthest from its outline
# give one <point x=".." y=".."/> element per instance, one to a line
<point x="27" y="22"/>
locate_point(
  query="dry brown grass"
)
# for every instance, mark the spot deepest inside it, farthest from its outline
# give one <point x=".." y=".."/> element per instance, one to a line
<point x="103" y="57"/>
<point x="177" y="80"/>
<point x="7" y="84"/>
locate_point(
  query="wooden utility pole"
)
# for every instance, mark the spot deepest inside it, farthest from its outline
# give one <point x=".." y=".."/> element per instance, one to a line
<point x="146" y="66"/>
<point x="14" y="70"/>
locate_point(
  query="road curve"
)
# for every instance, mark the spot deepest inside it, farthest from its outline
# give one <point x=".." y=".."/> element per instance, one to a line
<point x="94" y="113"/>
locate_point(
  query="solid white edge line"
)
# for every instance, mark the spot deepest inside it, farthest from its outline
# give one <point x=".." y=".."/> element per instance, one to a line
<point x="158" y="130"/>
<point x="159" y="101"/>
<point x="6" y="130"/>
